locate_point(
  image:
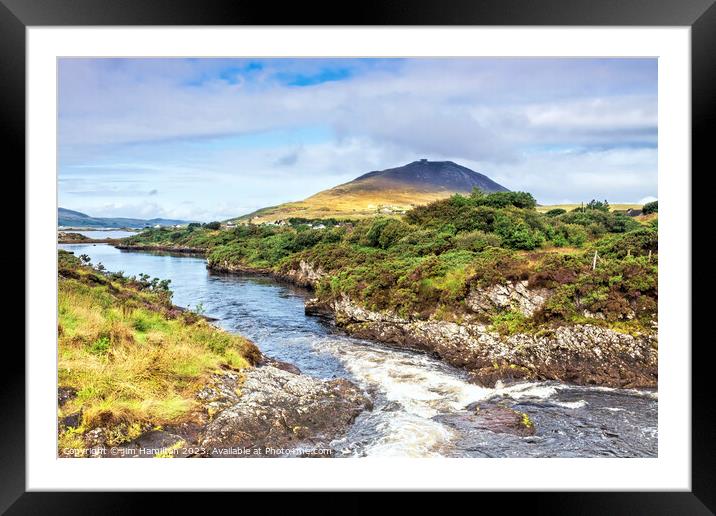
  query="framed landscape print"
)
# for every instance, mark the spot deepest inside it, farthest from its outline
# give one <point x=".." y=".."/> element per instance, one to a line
<point x="423" y="245"/>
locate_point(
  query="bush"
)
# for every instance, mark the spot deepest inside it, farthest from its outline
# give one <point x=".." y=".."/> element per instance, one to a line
<point x="517" y="234"/>
<point x="635" y="243"/>
<point x="504" y="199"/>
<point x="476" y="241"/>
<point x="304" y="239"/>
<point x="563" y="235"/>
<point x="392" y="232"/>
<point x="554" y="212"/>
<point x="494" y="265"/>
<point x="597" y="205"/>
<point x="598" y="222"/>
<point x="424" y="242"/>
<point x="509" y="323"/>
<point x="383" y="233"/>
<point x="650" y="207"/>
<point x="557" y="269"/>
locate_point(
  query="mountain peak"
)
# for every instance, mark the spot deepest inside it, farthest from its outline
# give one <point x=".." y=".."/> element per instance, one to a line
<point x="434" y="175"/>
<point x="383" y="192"/>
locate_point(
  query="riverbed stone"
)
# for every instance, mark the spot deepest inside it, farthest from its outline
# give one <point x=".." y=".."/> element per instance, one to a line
<point x="280" y="410"/>
<point x="490" y="417"/>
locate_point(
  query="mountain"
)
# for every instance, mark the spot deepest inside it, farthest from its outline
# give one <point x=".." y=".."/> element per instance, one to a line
<point x="390" y="191"/>
<point x="76" y="219"/>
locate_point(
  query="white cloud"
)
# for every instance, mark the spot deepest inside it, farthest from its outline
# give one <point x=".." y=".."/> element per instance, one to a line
<point x="560" y="128"/>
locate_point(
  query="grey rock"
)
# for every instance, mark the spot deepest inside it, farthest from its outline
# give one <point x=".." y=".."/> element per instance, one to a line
<point x="278" y="409"/>
<point x="71" y="420"/>
<point x="65" y="394"/>
<point x="489" y="417"/>
<point x="511" y="296"/>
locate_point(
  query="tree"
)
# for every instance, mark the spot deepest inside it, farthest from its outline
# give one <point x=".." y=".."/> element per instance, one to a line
<point x="213" y="225"/>
<point x="650" y="207"/>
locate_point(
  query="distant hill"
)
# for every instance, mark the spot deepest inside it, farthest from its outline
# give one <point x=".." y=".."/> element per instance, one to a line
<point x="76" y="219"/>
<point x="390" y="191"/>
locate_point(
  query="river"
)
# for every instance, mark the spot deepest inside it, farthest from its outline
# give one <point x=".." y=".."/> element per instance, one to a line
<point x="409" y="389"/>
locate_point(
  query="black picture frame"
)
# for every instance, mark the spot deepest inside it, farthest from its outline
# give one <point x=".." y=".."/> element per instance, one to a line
<point x="700" y="15"/>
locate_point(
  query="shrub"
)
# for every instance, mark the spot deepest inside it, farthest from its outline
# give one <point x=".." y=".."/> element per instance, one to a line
<point x="639" y="242"/>
<point x="650" y="207"/>
<point x="372" y="236"/>
<point x="383" y="233"/>
<point x="516" y="233"/>
<point x="557" y="269"/>
<point x="554" y="212"/>
<point x="424" y="242"/>
<point x="505" y="199"/>
<point x="598" y="222"/>
<point x="510" y="322"/>
<point x="496" y="265"/>
<point x="476" y="241"/>
<point x="392" y="232"/>
<point x="303" y="239"/>
<point x="562" y="235"/>
<point x="597" y="205"/>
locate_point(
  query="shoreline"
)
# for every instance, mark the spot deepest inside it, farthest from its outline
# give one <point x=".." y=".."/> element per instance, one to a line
<point x="88" y="241"/>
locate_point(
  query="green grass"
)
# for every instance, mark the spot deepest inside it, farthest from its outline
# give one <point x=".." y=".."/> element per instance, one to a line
<point x="134" y="362"/>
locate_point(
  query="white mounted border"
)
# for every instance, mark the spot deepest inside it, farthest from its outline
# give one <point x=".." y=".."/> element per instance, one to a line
<point x="670" y="471"/>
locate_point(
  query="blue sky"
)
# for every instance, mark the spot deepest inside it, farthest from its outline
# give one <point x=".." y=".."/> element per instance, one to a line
<point x="206" y="139"/>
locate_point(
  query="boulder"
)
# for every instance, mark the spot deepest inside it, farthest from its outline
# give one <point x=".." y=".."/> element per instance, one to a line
<point x="511" y="296"/>
<point x="278" y="411"/>
<point x="493" y="418"/>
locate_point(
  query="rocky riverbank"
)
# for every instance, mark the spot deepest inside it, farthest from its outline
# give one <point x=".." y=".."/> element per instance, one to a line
<point x="584" y="354"/>
<point x="261" y="412"/>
